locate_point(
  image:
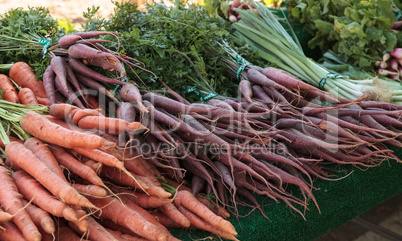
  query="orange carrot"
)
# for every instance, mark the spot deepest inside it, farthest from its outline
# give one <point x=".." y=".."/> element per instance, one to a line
<point x="101" y="156"/>
<point x="109" y="125"/>
<point x="12" y="165"/>
<point x="136" y="164"/>
<point x="10" y="232"/>
<point x="201" y="224"/>
<point x="154" y="189"/>
<point x="27" y="97"/>
<point x="82" y="222"/>
<point x="42" y="128"/>
<point x="40" y="217"/>
<point x="124" y="237"/>
<point x="95" y="231"/>
<point x="75" y="166"/>
<point x="27" y="160"/>
<point x="133" y="162"/>
<point x="109" y="224"/>
<point x="187" y="199"/>
<point x="145" y="214"/>
<point x="70" y="112"/>
<point x="172" y="212"/>
<point x="92" y="119"/>
<point x="23" y="76"/>
<point x="214" y="207"/>
<point x="43" y="101"/>
<point x="165" y="220"/>
<point x="90" y="190"/>
<point x="121" y="178"/>
<point x="143" y="200"/>
<point x="113" y="209"/>
<point x="96" y="166"/>
<point x="65" y="233"/>
<point x="11" y="200"/>
<point x="106" y="159"/>
<point x="42" y="151"/>
<point x="32" y="190"/>
<point x="10" y="94"/>
<point x="5" y="217"/>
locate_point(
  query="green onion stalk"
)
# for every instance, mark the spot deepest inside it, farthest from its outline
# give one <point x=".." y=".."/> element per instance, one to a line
<point x="261" y="29"/>
<point x="10" y="116"/>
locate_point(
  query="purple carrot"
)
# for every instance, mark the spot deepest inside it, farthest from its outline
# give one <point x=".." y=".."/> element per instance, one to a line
<point x="387" y="120"/>
<point x="334" y="128"/>
<point x="298" y="139"/>
<point x="95" y="85"/>
<point x="236" y="106"/>
<point x="286" y="199"/>
<point x="81" y="68"/>
<point x="197" y="184"/>
<point x="175" y="107"/>
<point x="59" y="67"/>
<point x="156" y="130"/>
<point x="69" y="94"/>
<point x="287" y="178"/>
<point x="93" y="41"/>
<point x="106" y="63"/>
<point x="347" y="125"/>
<point x="324" y="155"/>
<point x="227" y="178"/>
<point x="259" y="78"/>
<point x="171" y="121"/>
<point x="238" y="164"/>
<point x="73" y="80"/>
<point x="193" y="165"/>
<point x="323" y="96"/>
<point x="68" y="40"/>
<point x="271" y="156"/>
<point x="126" y="112"/>
<point x="220" y="103"/>
<point x="130" y="93"/>
<point x="243" y="192"/>
<point x="93" y="34"/>
<point x="174" y="94"/>
<point x="48" y="84"/>
<point x="382" y="105"/>
<point x="245" y="90"/>
<point x="286" y="79"/>
<point x="222" y="197"/>
<point x="241" y="181"/>
<point x="103" y="59"/>
<point x="275" y="95"/>
<point x="241" y="156"/>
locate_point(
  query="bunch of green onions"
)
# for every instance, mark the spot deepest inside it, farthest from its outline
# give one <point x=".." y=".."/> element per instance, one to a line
<point x="261" y="30"/>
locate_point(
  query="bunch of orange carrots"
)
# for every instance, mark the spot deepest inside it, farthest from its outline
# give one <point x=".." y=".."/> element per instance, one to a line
<point x="70" y="180"/>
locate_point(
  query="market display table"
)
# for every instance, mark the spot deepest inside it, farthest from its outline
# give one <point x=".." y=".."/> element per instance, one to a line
<point x="340" y="201"/>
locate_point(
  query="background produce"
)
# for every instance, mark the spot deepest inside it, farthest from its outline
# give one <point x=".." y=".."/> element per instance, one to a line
<point x="358" y="31"/>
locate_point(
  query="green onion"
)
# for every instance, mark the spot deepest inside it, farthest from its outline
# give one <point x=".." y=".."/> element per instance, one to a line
<point x="261" y="30"/>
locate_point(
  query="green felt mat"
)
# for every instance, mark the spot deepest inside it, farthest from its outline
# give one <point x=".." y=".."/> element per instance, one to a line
<point x="339" y="201"/>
